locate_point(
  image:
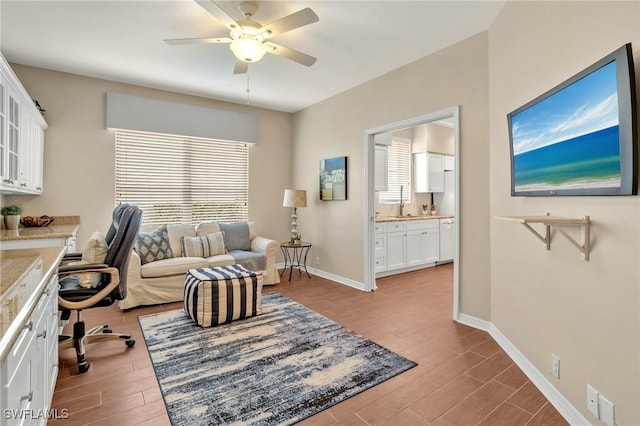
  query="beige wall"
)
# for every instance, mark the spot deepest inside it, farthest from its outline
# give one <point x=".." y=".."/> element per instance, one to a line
<point x="457" y="75"/>
<point x="80" y="153"/>
<point x="551" y="302"/>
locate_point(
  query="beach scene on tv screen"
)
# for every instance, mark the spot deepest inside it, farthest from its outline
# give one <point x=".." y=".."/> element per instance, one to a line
<point x="570" y="140"/>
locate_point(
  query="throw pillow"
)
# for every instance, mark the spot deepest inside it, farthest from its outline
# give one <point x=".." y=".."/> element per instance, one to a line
<point x="205" y="246"/>
<point x="236" y="235"/>
<point x="94" y="252"/>
<point x="153" y="246"/>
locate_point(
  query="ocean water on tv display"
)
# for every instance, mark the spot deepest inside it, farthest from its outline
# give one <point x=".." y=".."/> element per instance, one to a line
<point x="589" y="160"/>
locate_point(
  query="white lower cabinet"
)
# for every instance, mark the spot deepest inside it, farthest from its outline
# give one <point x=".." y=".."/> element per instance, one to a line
<point x="28" y="374"/>
<point x="410" y="244"/>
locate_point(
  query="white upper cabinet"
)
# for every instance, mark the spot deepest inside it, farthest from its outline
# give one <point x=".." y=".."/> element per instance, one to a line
<point x="21" y="137"/>
<point x="428" y="172"/>
<point x="381" y="168"/>
<point x="449" y="162"/>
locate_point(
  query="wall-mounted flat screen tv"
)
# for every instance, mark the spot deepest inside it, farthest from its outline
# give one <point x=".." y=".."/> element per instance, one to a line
<point x="579" y="138"/>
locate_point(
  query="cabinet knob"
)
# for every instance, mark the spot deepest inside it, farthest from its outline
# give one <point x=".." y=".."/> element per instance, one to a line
<point x="28" y="397"/>
<point x="24" y="185"/>
<point x="29" y="326"/>
<point x="39" y="188"/>
<point x="43" y="334"/>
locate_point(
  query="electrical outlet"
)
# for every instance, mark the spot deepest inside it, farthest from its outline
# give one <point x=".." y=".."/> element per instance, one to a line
<point x="317" y="260"/>
<point x="555" y="366"/>
<point x="592" y="401"/>
<point x="607" y="411"/>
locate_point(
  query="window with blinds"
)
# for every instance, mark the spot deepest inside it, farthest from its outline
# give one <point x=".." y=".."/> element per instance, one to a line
<point x="179" y="179"/>
<point x="399" y="173"/>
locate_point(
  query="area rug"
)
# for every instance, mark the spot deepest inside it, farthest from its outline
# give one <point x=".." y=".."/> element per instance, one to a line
<point x="277" y="368"/>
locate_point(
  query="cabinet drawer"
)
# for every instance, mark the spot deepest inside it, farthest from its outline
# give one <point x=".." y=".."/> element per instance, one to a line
<point x="416" y="225"/>
<point x="381" y="227"/>
<point x="380" y="246"/>
<point x="380" y="264"/>
<point x="396" y="226"/>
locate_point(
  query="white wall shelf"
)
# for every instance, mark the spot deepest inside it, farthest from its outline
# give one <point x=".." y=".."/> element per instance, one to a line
<point x="557" y="223"/>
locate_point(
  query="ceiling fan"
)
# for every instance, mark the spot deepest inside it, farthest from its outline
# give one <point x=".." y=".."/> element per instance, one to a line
<point x="249" y="40"/>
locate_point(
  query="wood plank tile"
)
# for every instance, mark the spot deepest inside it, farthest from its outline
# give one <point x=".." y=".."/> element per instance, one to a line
<point x="513" y="377"/>
<point x="490" y="368"/>
<point x="438" y="402"/>
<point x="547" y="416"/>
<point x="478" y="405"/>
<point x="529" y="398"/>
<point x="506" y="415"/>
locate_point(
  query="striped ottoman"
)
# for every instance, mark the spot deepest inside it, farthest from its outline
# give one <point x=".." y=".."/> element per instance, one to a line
<point x="222" y="294"/>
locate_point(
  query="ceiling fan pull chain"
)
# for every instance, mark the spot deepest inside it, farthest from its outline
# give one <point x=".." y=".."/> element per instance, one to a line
<point x="248" y="91"/>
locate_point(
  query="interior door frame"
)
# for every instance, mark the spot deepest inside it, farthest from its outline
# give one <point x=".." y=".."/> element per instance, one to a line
<point x="369" y="174"/>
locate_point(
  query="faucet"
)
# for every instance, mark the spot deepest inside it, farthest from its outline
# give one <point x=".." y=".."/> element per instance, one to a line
<point x="401" y="201"/>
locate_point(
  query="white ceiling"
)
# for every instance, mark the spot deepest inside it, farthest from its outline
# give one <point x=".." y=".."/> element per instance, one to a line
<point x="354" y="42"/>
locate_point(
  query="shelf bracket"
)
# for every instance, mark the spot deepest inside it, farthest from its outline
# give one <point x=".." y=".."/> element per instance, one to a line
<point x="557" y="223"/>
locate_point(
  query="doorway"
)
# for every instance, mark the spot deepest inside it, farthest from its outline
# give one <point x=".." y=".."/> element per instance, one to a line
<point x="452" y="114"/>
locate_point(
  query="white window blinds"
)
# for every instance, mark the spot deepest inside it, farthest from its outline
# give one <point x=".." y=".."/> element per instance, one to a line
<point x="399" y="173"/>
<point x="179" y="179"/>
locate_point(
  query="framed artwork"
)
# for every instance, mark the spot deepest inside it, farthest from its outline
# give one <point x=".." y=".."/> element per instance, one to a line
<point x="333" y="179"/>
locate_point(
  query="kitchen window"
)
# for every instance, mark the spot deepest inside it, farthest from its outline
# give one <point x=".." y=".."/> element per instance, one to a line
<point x="398" y="173"/>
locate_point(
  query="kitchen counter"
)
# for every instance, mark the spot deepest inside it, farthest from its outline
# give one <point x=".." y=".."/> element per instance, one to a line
<point x="412" y="217"/>
<point x="24" y="274"/>
<point x="51" y="231"/>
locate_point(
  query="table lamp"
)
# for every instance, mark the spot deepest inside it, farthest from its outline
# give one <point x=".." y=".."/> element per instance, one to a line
<point x="295" y="198"/>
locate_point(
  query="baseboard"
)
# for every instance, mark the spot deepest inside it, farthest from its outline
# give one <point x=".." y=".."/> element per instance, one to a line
<point x="474" y="322"/>
<point x="562" y="404"/>
<point x="329" y="276"/>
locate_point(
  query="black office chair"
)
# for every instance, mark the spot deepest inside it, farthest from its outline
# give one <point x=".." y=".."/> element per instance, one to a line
<point x="112" y="286"/>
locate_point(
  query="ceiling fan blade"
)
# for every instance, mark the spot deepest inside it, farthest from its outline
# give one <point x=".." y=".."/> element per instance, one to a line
<point x="175" y="41"/>
<point x="211" y="7"/>
<point x="291" y="22"/>
<point x="240" y="67"/>
<point x="292" y="54"/>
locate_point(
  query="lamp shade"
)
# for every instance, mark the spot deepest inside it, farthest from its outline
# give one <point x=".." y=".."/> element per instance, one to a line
<point x="295" y="198"/>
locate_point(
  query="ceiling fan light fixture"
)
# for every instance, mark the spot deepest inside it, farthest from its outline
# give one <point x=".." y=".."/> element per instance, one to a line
<point x="248" y="49"/>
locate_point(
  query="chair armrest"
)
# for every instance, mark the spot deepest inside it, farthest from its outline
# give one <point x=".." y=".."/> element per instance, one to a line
<point x="71" y="257"/>
<point x="114" y="282"/>
<point x="266" y="246"/>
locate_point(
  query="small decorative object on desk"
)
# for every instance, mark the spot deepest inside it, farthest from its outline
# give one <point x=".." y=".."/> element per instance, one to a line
<point x="434" y="210"/>
<point x="426" y="209"/>
<point x="11" y="216"/>
<point x="36" y="222"/>
<point x="37" y="104"/>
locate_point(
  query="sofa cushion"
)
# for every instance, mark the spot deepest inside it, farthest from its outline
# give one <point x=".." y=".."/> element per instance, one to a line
<point x="173" y="266"/>
<point x="236" y="235"/>
<point x="154" y="246"/>
<point x="205" y="246"/>
<point x="221" y="260"/>
<point x="251" y="260"/>
<point x="176" y="232"/>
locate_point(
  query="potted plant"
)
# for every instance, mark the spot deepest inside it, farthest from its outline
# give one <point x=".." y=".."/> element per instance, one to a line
<point x="11" y="216"/>
<point x="434" y="209"/>
<point x="426" y="209"/>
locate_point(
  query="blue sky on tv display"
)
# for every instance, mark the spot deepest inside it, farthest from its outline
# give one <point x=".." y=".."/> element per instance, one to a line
<point x="588" y="105"/>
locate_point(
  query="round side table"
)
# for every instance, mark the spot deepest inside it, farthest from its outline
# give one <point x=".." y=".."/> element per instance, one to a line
<point x="295" y="256"/>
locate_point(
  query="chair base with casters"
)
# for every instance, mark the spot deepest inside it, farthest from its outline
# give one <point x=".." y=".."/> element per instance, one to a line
<point x="74" y="297"/>
<point x="80" y="338"/>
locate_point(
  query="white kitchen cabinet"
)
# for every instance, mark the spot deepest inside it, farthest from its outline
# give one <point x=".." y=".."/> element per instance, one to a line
<point x="381" y="168"/>
<point x="410" y="245"/>
<point x="396" y="250"/>
<point x="449" y="162"/>
<point x="428" y="172"/>
<point x="29" y="372"/>
<point x="21" y="137"/>
<point x="380" y="247"/>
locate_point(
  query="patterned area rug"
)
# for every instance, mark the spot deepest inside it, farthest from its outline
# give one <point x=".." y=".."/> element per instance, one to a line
<point x="277" y="368"/>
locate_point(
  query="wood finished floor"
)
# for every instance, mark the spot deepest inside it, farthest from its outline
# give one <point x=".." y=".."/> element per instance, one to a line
<point x="463" y="377"/>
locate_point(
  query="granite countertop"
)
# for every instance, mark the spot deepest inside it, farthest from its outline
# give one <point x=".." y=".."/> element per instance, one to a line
<point x="51" y="231"/>
<point x="412" y="217"/>
<point x="24" y="274"/>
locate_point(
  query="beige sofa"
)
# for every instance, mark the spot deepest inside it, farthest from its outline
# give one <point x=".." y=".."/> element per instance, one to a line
<point x="162" y="281"/>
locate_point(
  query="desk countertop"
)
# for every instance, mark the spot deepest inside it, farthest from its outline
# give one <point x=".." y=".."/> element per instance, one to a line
<point x="51" y="231"/>
<point x="24" y="275"/>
